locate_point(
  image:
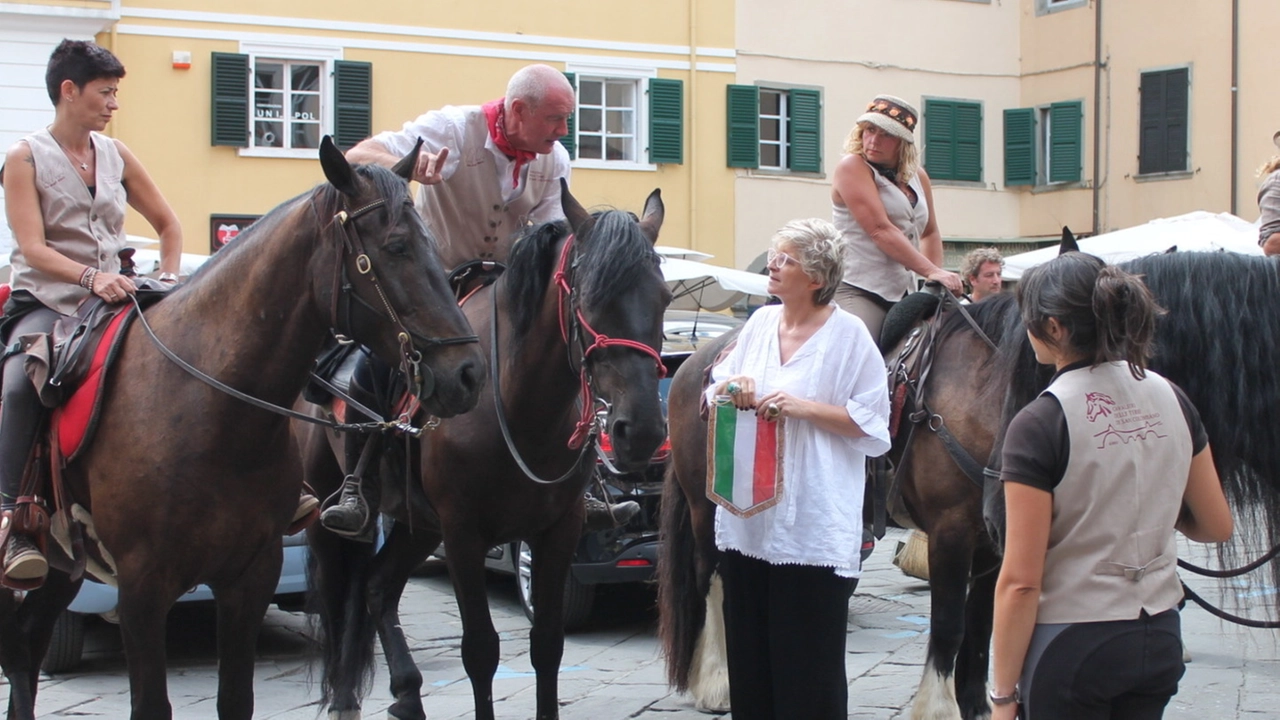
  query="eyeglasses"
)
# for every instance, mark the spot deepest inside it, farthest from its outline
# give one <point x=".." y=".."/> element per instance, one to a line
<point x="778" y="260"/>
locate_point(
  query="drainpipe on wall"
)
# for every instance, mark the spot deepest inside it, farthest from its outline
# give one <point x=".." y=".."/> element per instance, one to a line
<point x="1235" y="101"/>
<point x="693" y="128"/>
<point x="1097" y="113"/>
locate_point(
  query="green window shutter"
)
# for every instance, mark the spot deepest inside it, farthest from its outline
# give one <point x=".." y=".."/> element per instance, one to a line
<point x="1019" y="146"/>
<point x="744" y="126"/>
<point x="570" y="141"/>
<point x="968" y="142"/>
<point x="230" y="123"/>
<point x="1065" y="141"/>
<point x="666" y="121"/>
<point x="939" y="139"/>
<point x="353" y="102"/>
<point x="805" y="129"/>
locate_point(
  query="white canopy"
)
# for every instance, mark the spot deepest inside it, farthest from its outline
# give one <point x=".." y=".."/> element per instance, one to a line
<point x="698" y="285"/>
<point x="1197" y="231"/>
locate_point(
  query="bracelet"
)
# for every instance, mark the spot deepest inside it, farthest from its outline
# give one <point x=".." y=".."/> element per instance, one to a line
<point x="167" y="277"/>
<point x="1013" y="697"/>
<point x="87" y="277"/>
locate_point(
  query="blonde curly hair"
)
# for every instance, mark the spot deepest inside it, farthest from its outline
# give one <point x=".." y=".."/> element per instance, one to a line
<point x="908" y="153"/>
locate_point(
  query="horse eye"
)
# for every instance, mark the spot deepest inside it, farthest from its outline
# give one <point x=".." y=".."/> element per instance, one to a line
<point x="397" y="248"/>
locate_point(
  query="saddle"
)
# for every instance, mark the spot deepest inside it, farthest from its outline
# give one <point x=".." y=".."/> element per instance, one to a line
<point x="69" y="367"/>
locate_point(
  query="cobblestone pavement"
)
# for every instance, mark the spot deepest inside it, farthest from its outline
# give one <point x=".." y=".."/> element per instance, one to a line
<point x="612" y="669"/>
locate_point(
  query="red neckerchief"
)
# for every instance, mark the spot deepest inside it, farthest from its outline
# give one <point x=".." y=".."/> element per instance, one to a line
<point x="495" y="114"/>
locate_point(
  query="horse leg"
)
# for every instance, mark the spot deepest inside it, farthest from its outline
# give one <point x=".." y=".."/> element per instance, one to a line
<point x="950" y="557"/>
<point x="479" y="640"/>
<point x="975" y="650"/>
<point x="552" y="555"/>
<point x="143" y="610"/>
<point x="241" y="606"/>
<point x="709" y="675"/>
<point x="26" y="628"/>
<point x="395" y="562"/>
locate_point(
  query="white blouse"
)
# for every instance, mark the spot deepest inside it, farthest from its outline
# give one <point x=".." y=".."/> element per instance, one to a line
<point x="818" y="521"/>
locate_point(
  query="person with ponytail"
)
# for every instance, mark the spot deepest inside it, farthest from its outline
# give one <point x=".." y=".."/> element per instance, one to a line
<point x="1098" y="473"/>
<point x="1269" y="204"/>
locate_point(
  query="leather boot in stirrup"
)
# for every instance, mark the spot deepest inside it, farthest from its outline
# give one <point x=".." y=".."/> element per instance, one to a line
<point x="350" y="515"/>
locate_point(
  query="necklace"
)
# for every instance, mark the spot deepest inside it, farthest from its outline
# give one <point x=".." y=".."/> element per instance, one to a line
<point x="84" y="164"/>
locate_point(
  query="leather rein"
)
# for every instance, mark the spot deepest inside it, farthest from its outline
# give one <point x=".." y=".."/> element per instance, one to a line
<point x="573" y="324"/>
<point x="348" y="242"/>
<point x="901" y="374"/>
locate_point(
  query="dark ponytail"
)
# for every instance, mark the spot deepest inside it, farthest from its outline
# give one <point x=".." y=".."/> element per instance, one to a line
<point x="1109" y="314"/>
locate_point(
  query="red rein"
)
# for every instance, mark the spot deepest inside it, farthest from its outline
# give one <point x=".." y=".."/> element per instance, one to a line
<point x="598" y="342"/>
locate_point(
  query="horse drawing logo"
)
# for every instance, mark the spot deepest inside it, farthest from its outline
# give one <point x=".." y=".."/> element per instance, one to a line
<point x="1098" y="405"/>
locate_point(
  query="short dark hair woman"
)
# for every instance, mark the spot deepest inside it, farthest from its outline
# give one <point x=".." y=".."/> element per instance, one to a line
<point x="1098" y="472"/>
<point x="65" y="191"/>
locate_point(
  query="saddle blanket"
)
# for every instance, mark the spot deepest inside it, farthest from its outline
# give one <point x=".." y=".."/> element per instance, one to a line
<point x="745" y="463"/>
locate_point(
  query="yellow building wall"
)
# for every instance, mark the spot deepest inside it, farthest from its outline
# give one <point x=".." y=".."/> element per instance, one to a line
<point x="455" y="54"/>
<point x="1259" y="103"/>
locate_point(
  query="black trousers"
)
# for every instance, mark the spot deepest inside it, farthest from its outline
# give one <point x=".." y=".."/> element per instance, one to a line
<point x="20" y="419"/>
<point x="785" y="626"/>
<point x="1120" y="670"/>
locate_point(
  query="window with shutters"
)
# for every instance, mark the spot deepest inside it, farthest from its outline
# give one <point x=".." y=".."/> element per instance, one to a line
<point x="953" y="140"/>
<point x="1044" y="145"/>
<point x="279" y="100"/>
<point x="1044" y="7"/>
<point x="1162" y="145"/>
<point x="625" y="120"/>
<point x="774" y="128"/>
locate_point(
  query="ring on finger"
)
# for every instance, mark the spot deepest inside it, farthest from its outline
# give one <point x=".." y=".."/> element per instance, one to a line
<point x="733" y="388"/>
<point x="772" y="411"/>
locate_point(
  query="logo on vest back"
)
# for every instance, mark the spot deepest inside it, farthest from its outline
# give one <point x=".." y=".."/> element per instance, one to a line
<point x="1125" y="423"/>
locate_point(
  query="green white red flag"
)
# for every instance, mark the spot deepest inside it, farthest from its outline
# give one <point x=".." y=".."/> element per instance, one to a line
<point x="744" y="459"/>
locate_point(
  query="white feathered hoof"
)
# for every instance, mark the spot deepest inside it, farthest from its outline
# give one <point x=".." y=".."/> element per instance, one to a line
<point x="709" y="676"/>
<point x="345" y="715"/>
<point x="936" y="698"/>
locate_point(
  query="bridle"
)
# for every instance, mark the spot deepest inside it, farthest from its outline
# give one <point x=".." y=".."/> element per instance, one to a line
<point x="347" y="239"/>
<point x="575" y="331"/>
<point x="349" y="245"/>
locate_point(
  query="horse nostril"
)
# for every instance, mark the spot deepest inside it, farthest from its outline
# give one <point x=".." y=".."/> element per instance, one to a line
<point x="471" y="377"/>
<point x="621" y="428"/>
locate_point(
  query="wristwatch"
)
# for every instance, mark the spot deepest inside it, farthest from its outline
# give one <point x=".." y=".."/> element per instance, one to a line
<point x="1013" y="697"/>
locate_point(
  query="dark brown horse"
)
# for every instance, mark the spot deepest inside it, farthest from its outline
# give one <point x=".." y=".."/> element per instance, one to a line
<point x="574" y="321"/>
<point x="190" y="485"/>
<point x="1220" y="341"/>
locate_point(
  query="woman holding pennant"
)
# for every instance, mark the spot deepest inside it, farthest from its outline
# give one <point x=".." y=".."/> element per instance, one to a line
<point x="797" y="406"/>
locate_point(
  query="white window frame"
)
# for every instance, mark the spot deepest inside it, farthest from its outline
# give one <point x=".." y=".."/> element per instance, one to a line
<point x="325" y="56"/>
<point x="784" y="130"/>
<point x="640" y="76"/>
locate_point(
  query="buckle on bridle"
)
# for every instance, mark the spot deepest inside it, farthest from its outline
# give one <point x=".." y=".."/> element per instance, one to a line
<point x="363" y="264"/>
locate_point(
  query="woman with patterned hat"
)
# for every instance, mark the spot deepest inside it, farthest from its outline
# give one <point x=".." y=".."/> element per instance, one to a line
<point x="882" y="203"/>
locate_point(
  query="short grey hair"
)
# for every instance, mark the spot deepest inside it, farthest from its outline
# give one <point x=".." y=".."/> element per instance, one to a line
<point x="531" y="83"/>
<point x="820" y="250"/>
<point x="974" y="261"/>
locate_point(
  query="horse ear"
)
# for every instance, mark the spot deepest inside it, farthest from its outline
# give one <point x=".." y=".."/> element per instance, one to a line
<point x="1068" y="242"/>
<point x="336" y="168"/>
<point x="579" y="219"/>
<point x="654" y="212"/>
<point x="1172" y="249"/>
<point x="404" y="168"/>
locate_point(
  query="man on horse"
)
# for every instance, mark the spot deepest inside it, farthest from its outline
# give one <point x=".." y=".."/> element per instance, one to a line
<point x="486" y="173"/>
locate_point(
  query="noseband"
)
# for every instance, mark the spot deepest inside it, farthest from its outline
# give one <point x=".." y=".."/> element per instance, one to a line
<point x="574" y="324"/>
<point x="347" y="240"/>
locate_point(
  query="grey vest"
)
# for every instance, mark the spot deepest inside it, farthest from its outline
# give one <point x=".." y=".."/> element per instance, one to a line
<point x="89" y="230"/>
<point x="866" y="266"/>
<point x="1112" y="552"/>
<point x="467" y="213"/>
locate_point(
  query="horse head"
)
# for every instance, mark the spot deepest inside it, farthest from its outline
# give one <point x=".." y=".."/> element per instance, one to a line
<point x="617" y="305"/>
<point x="387" y="288"/>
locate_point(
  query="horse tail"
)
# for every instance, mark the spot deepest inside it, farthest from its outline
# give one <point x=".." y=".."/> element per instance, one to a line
<point x="338" y="575"/>
<point x="681" y="597"/>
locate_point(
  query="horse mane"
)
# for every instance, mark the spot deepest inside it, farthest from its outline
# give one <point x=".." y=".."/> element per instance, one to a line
<point x="1220" y="348"/>
<point x="326" y="201"/>
<point x="613" y="258"/>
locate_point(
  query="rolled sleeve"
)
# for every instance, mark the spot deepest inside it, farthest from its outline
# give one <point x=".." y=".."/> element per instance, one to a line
<point x="437" y="128"/>
<point x="870" y="412"/>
